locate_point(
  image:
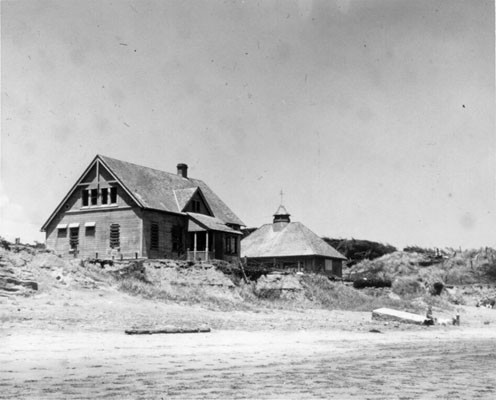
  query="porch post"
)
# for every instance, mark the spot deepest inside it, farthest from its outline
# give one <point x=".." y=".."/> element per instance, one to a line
<point x="206" y="246"/>
<point x="194" y="246"/>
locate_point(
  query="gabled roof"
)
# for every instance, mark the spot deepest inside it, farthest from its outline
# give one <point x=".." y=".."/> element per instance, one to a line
<point x="158" y="189"/>
<point x="183" y="196"/>
<point x="293" y="239"/>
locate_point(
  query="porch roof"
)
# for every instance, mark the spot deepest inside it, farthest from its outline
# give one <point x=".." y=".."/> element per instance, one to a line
<point x="201" y="222"/>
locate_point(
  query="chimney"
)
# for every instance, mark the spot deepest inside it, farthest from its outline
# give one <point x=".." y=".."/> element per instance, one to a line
<point x="182" y="170"/>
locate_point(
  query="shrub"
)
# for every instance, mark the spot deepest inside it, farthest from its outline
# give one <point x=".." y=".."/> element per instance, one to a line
<point x="408" y="287"/>
<point x="437" y="288"/>
<point x="357" y="250"/>
<point x="373" y="282"/>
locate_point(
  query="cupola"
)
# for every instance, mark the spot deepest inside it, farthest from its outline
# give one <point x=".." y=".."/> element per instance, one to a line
<point x="281" y="215"/>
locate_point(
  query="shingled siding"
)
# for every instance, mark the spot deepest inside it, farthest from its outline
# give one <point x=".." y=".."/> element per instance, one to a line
<point x="165" y="222"/>
<point x="98" y="244"/>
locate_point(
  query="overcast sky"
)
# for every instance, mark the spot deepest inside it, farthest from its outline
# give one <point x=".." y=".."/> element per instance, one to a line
<point x="376" y="117"/>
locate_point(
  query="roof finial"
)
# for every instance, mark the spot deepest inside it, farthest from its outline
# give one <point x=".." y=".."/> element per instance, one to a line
<point x="281" y="214"/>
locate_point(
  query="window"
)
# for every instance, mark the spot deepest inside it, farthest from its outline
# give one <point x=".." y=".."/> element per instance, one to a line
<point x="89" y="229"/>
<point x="105" y="193"/>
<point x="154" y="237"/>
<point x="113" y="195"/>
<point x="231" y="245"/>
<point x="94" y="197"/>
<point x="62" y="232"/>
<point x="74" y="237"/>
<point x="115" y="236"/>
<point x="195" y="206"/>
<point x="86" y="195"/>
<point x="177" y="238"/>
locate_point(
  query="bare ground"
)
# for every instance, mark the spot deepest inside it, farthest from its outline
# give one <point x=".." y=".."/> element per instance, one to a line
<point x="71" y="344"/>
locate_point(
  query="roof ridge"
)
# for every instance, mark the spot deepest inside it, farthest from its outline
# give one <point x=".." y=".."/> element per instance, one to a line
<point x="143" y="166"/>
<point x="152" y="182"/>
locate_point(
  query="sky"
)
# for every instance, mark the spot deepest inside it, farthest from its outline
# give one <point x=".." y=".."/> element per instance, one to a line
<point x="375" y="117"/>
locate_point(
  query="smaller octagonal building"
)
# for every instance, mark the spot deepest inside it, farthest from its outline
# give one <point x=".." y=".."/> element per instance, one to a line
<point x="291" y="246"/>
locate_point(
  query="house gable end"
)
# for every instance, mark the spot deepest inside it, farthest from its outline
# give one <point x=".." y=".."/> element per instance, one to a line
<point x="198" y="204"/>
<point x="95" y="184"/>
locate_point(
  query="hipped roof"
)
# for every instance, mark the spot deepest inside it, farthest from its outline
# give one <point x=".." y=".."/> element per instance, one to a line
<point x="166" y="191"/>
<point x="286" y="240"/>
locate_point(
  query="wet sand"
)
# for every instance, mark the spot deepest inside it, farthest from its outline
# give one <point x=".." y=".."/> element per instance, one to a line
<point x="447" y="363"/>
<point x="70" y="344"/>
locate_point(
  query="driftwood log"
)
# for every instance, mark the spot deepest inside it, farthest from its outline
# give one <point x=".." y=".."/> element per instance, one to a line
<point x="166" y="330"/>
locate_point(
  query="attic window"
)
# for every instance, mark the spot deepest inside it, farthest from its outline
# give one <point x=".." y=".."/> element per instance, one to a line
<point x="195" y="206"/>
<point x="154" y="237"/>
<point x="105" y="195"/>
<point x="113" y="195"/>
<point x="86" y="195"/>
<point x="90" y="195"/>
<point x="94" y="197"/>
<point x="115" y="236"/>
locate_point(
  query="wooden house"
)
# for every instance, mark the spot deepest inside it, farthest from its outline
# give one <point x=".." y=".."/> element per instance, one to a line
<point x="291" y="246"/>
<point x="117" y="209"/>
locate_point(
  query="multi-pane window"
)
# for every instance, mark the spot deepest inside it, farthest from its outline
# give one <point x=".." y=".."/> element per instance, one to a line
<point x="107" y="196"/>
<point x="115" y="236"/>
<point x="154" y="237"/>
<point x="74" y="237"/>
<point x="90" y="196"/>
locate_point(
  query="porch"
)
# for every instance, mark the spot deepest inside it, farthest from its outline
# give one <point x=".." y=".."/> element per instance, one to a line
<point x="200" y="255"/>
<point x="202" y="245"/>
<point x="209" y="238"/>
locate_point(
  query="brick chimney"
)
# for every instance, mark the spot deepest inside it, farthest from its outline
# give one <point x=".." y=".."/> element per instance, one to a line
<point x="182" y="170"/>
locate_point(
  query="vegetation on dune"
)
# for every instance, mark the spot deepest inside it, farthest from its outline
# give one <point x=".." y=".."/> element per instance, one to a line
<point x="271" y="292"/>
<point x="429" y="274"/>
<point x="407" y="280"/>
<point x="462" y="268"/>
<point x="356" y="250"/>
<point x="337" y="296"/>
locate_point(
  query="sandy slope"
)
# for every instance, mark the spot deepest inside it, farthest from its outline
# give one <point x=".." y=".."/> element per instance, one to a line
<point x="70" y="344"/>
<point x="108" y="309"/>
